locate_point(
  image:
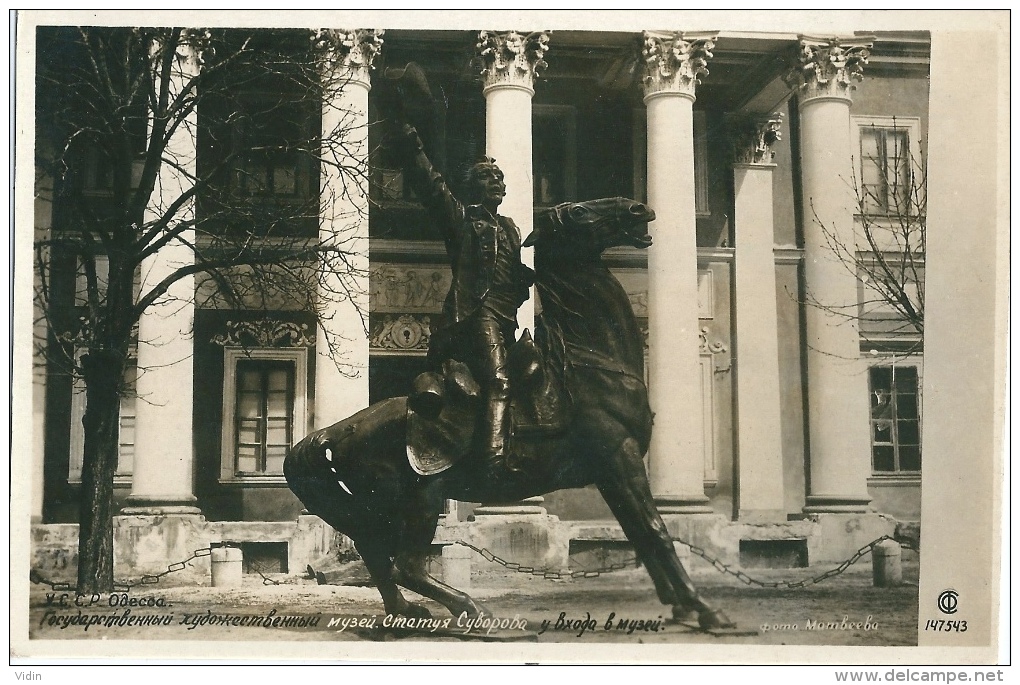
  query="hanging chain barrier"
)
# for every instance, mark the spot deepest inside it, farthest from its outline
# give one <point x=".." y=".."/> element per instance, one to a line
<point x="152" y="579"/>
<point x="716" y="563"/>
<point x="544" y="573"/>
<point x="148" y="579"/>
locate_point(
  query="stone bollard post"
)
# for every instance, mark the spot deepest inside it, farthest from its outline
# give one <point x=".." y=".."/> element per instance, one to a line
<point x="887" y="570"/>
<point x="226" y="567"/>
<point x="457" y="566"/>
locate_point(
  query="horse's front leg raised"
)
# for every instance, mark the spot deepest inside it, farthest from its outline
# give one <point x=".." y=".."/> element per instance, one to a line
<point x="624" y="486"/>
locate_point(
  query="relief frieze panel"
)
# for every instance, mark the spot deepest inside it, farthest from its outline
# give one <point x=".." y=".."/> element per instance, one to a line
<point x="408" y="288"/>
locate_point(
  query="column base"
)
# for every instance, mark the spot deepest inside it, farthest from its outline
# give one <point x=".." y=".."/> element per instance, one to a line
<point x="674" y="504"/>
<point x="836" y="504"/>
<point x="148" y="506"/>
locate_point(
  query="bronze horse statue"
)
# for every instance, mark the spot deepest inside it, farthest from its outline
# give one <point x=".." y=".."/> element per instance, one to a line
<point x="356" y="475"/>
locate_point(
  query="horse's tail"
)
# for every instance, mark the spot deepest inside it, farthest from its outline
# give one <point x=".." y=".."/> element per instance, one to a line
<point x="331" y="469"/>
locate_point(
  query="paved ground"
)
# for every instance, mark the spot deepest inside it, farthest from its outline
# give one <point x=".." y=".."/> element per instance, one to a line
<point x="846" y="610"/>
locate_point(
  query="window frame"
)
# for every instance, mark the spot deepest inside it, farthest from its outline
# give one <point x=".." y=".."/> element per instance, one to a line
<point x="306" y="180"/>
<point x="897" y="474"/>
<point x="910" y="124"/>
<point x="231" y="356"/>
<point x="76" y="451"/>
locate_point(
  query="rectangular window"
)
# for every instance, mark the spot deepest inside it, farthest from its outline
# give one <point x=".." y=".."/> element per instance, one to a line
<point x="126" y="449"/>
<point x="264" y="418"/>
<point x="895" y="419"/>
<point x="887" y="150"/>
<point x="264" y="410"/>
<point x="885" y="170"/>
<point x="268" y="134"/>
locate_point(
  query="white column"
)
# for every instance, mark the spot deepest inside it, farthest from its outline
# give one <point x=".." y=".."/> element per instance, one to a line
<point x="163" y="478"/>
<point x="341" y="342"/>
<point x="512" y="61"/>
<point x="673" y="63"/>
<point x="759" y="474"/>
<point x="838" y="410"/>
<point x="43" y="227"/>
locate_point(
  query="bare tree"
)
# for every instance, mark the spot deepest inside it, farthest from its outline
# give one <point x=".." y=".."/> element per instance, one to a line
<point x="111" y="102"/>
<point x="887" y="255"/>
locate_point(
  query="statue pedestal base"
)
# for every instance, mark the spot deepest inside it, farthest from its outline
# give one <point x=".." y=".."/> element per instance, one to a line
<point x="541" y="541"/>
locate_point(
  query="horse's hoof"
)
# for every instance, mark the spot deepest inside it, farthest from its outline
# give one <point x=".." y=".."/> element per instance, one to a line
<point x="413" y="610"/>
<point x="682" y="612"/>
<point x="476" y="610"/>
<point x="710" y="619"/>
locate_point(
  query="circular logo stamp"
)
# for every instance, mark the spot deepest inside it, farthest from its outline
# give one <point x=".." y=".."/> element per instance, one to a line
<point x="948" y="601"/>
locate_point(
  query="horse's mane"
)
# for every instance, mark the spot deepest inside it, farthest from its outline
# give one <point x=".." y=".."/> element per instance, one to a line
<point x="584" y="306"/>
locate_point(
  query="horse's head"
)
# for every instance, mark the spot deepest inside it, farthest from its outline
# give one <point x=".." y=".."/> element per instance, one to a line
<point x="579" y="228"/>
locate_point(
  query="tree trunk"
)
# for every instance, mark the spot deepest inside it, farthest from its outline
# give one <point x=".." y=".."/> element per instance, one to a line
<point x="103" y="371"/>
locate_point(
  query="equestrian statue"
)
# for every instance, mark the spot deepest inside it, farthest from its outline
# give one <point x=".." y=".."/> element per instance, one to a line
<point x="498" y="420"/>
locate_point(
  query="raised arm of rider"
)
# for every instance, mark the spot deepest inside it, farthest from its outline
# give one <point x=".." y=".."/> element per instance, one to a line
<point x="430" y="187"/>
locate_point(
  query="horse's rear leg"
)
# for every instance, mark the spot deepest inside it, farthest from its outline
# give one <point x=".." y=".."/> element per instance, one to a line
<point x="624" y="486"/>
<point x="420" y="519"/>
<point x="380" y="566"/>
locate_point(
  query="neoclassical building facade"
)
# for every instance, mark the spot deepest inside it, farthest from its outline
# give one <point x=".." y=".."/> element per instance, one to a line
<point x="784" y="428"/>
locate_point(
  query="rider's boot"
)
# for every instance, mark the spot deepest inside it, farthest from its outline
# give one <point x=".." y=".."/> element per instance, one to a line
<point x="497" y="430"/>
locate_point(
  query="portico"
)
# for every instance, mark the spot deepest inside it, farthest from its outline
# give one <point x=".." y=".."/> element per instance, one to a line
<point x="741" y="143"/>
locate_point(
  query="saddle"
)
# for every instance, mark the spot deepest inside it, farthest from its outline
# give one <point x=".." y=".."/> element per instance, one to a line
<point x="444" y="407"/>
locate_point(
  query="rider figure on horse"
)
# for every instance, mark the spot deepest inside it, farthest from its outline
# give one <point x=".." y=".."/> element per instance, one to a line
<point x="489" y="281"/>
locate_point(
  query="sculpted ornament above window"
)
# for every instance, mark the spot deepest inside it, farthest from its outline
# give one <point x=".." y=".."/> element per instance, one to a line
<point x="403" y="333"/>
<point x="265" y="333"/>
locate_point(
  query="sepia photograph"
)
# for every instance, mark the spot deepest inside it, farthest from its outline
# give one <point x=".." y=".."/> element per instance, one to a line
<point x="614" y="337"/>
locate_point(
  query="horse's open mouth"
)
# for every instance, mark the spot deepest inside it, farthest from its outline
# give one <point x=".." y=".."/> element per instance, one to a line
<point x="641" y="241"/>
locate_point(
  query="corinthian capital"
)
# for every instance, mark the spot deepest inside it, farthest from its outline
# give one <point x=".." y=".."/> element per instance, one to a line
<point x="511" y="59"/>
<point x="675" y="62"/>
<point x="754" y="136"/>
<point x="194" y="48"/>
<point x="829" y="66"/>
<point x="347" y="52"/>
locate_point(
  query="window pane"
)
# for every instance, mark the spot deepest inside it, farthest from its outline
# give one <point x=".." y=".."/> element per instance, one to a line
<point x="898" y="168"/>
<point x="881" y="432"/>
<point x="881" y="378"/>
<point x="247" y="460"/>
<point x="881" y="405"/>
<point x="906" y="406"/>
<point x="249" y="405"/>
<point x="910" y="458"/>
<point x="278" y="379"/>
<point x="906" y="379"/>
<point x="248" y="432"/>
<point x="278" y="404"/>
<point x="869" y="142"/>
<point x="284" y="180"/>
<point x="907" y="433"/>
<point x="882" y="456"/>
<point x="278" y="432"/>
<point x="248" y="379"/>
<point x="127" y="433"/>
<point x="274" y="462"/>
